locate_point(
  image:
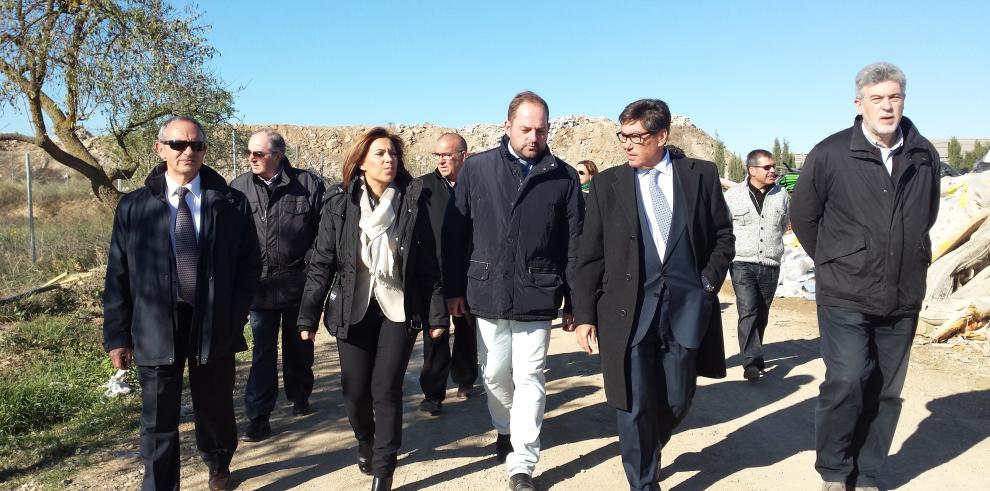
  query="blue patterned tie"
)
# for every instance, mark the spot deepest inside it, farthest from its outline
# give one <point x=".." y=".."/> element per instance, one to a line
<point x="660" y="205"/>
<point x="186" y="250"/>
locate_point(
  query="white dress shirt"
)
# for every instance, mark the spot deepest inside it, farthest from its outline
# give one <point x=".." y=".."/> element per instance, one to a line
<point x="193" y="198"/>
<point x="666" y="181"/>
<point x="886" y="154"/>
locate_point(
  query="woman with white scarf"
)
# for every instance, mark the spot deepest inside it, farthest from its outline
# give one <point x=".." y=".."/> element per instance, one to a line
<point x="374" y="270"/>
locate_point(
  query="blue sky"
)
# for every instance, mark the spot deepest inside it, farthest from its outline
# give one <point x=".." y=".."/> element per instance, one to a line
<point x="750" y="71"/>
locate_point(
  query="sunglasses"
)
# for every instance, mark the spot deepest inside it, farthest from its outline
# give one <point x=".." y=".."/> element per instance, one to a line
<point x="581" y="172"/>
<point x="765" y="167"/>
<point x="182" y="145"/>
<point x="257" y="154"/>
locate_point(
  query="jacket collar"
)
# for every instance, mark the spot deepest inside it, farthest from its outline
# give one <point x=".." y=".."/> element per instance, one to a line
<point x="912" y="138"/>
<point x="209" y="180"/>
<point x="543" y="163"/>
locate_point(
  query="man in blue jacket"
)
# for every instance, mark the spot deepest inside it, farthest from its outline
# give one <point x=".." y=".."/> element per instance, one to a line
<point x="509" y="244"/>
<point x="182" y="269"/>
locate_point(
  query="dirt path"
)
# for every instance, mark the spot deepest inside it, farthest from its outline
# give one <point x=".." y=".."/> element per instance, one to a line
<point x="739" y="435"/>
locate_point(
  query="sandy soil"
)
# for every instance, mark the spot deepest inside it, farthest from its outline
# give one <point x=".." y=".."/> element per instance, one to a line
<point x="739" y="435"/>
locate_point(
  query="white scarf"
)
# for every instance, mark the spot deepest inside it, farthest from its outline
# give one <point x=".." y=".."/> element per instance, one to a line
<point x="378" y="249"/>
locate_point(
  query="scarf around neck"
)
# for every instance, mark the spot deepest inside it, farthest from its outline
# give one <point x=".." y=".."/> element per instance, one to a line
<point x="378" y="244"/>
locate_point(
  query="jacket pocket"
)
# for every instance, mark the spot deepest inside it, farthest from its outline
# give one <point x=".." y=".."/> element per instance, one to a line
<point x="741" y="218"/>
<point x="333" y="309"/>
<point x="831" y="251"/>
<point x="478" y="270"/>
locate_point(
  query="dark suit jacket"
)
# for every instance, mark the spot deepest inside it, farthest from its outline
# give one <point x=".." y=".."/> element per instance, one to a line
<point x="608" y="283"/>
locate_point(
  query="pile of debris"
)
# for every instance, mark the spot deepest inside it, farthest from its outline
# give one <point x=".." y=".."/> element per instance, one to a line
<point x="957" y="300"/>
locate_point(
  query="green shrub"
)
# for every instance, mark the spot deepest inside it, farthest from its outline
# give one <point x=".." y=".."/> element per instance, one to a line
<point x="57" y="368"/>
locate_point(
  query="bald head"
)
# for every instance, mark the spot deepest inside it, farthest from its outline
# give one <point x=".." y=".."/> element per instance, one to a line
<point x="450" y="151"/>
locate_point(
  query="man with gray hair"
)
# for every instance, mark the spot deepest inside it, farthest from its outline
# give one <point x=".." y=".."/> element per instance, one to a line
<point x="182" y="268"/>
<point x="286" y="204"/>
<point x="862" y="209"/>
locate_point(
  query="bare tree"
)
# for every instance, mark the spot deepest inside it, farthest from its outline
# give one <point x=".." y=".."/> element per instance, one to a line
<point x="127" y="64"/>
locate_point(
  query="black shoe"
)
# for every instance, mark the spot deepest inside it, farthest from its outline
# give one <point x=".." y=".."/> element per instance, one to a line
<point x="381" y="484"/>
<point x="258" y="429"/>
<point x="503" y="445"/>
<point x="301" y="408"/>
<point x="465" y="390"/>
<point x="431" y="406"/>
<point x="219" y="479"/>
<point x="364" y="457"/>
<point x="752" y="373"/>
<point x="521" y="482"/>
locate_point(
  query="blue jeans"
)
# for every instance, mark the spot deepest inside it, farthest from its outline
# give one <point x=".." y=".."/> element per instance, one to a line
<point x="754" y="285"/>
<point x="297" y="362"/>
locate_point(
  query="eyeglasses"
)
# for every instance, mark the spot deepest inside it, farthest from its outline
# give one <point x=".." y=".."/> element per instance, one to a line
<point x="767" y="167"/>
<point x="257" y="154"/>
<point x="181" y="145"/>
<point x="446" y="155"/>
<point x="581" y="172"/>
<point x="637" y="138"/>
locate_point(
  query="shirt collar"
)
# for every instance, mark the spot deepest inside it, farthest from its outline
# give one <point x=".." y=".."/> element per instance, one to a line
<point x="274" y="179"/>
<point x="193" y="186"/>
<point x="880" y="145"/>
<point x="665" y="167"/>
<point x="514" y="154"/>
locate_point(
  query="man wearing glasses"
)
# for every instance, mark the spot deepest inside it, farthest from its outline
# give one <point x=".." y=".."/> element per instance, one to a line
<point x="759" y="220"/>
<point x="656" y="245"/>
<point x="286" y="204"/>
<point x="862" y="209"/>
<point x="181" y="272"/>
<point x="439" y="360"/>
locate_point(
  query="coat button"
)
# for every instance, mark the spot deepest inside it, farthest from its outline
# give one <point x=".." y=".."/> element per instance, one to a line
<point x="628" y="277"/>
<point x="622" y="313"/>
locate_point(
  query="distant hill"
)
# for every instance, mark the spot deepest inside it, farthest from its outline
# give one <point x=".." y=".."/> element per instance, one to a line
<point x="323" y="148"/>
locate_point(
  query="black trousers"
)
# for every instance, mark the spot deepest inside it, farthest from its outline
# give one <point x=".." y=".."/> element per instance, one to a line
<point x="754" y="285"/>
<point x="261" y="391"/>
<point x="662" y="379"/>
<point x="866" y="361"/>
<point x="212" y="388"/>
<point x="440" y="360"/>
<point x="373" y="361"/>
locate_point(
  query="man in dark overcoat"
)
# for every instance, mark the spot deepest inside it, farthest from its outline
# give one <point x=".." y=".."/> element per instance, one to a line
<point x="656" y="245"/>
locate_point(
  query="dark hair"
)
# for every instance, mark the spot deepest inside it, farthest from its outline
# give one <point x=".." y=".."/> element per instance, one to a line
<point x="653" y="113"/>
<point x="461" y="142"/>
<point x="592" y="168"/>
<point x="755" y="155"/>
<point x="527" y="96"/>
<point x="354" y="159"/>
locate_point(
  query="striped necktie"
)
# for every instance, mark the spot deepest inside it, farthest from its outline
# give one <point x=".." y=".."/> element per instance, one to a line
<point x="186" y="250"/>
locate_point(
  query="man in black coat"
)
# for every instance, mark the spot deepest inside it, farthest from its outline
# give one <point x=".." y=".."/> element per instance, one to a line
<point x="439" y="359"/>
<point x="509" y="244"/>
<point x="285" y="204"/>
<point x="181" y="272"/>
<point x="656" y="245"/>
<point x="862" y="209"/>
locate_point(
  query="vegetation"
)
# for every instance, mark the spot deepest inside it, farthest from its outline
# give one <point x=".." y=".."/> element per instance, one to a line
<point x="718" y="155"/>
<point x="782" y="154"/>
<point x="128" y="64"/>
<point x="964" y="160"/>
<point x="737" y="168"/>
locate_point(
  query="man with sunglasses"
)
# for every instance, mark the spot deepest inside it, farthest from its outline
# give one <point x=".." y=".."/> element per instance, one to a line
<point x="656" y="245"/>
<point x="862" y="209"/>
<point x="286" y="203"/>
<point x="759" y="220"/>
<point x="439" y="359"/>
<point x="181" y="272"/>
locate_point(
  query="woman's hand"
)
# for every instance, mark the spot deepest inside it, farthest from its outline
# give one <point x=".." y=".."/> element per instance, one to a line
<point x="436" y="332"/>
<point x="307" y="336"/>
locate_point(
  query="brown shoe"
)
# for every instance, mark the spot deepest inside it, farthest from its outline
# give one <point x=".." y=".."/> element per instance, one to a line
<point x="220" y="479"/>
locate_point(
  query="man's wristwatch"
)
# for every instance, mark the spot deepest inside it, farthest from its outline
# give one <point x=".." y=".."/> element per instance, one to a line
<point x="707" y="284"/>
